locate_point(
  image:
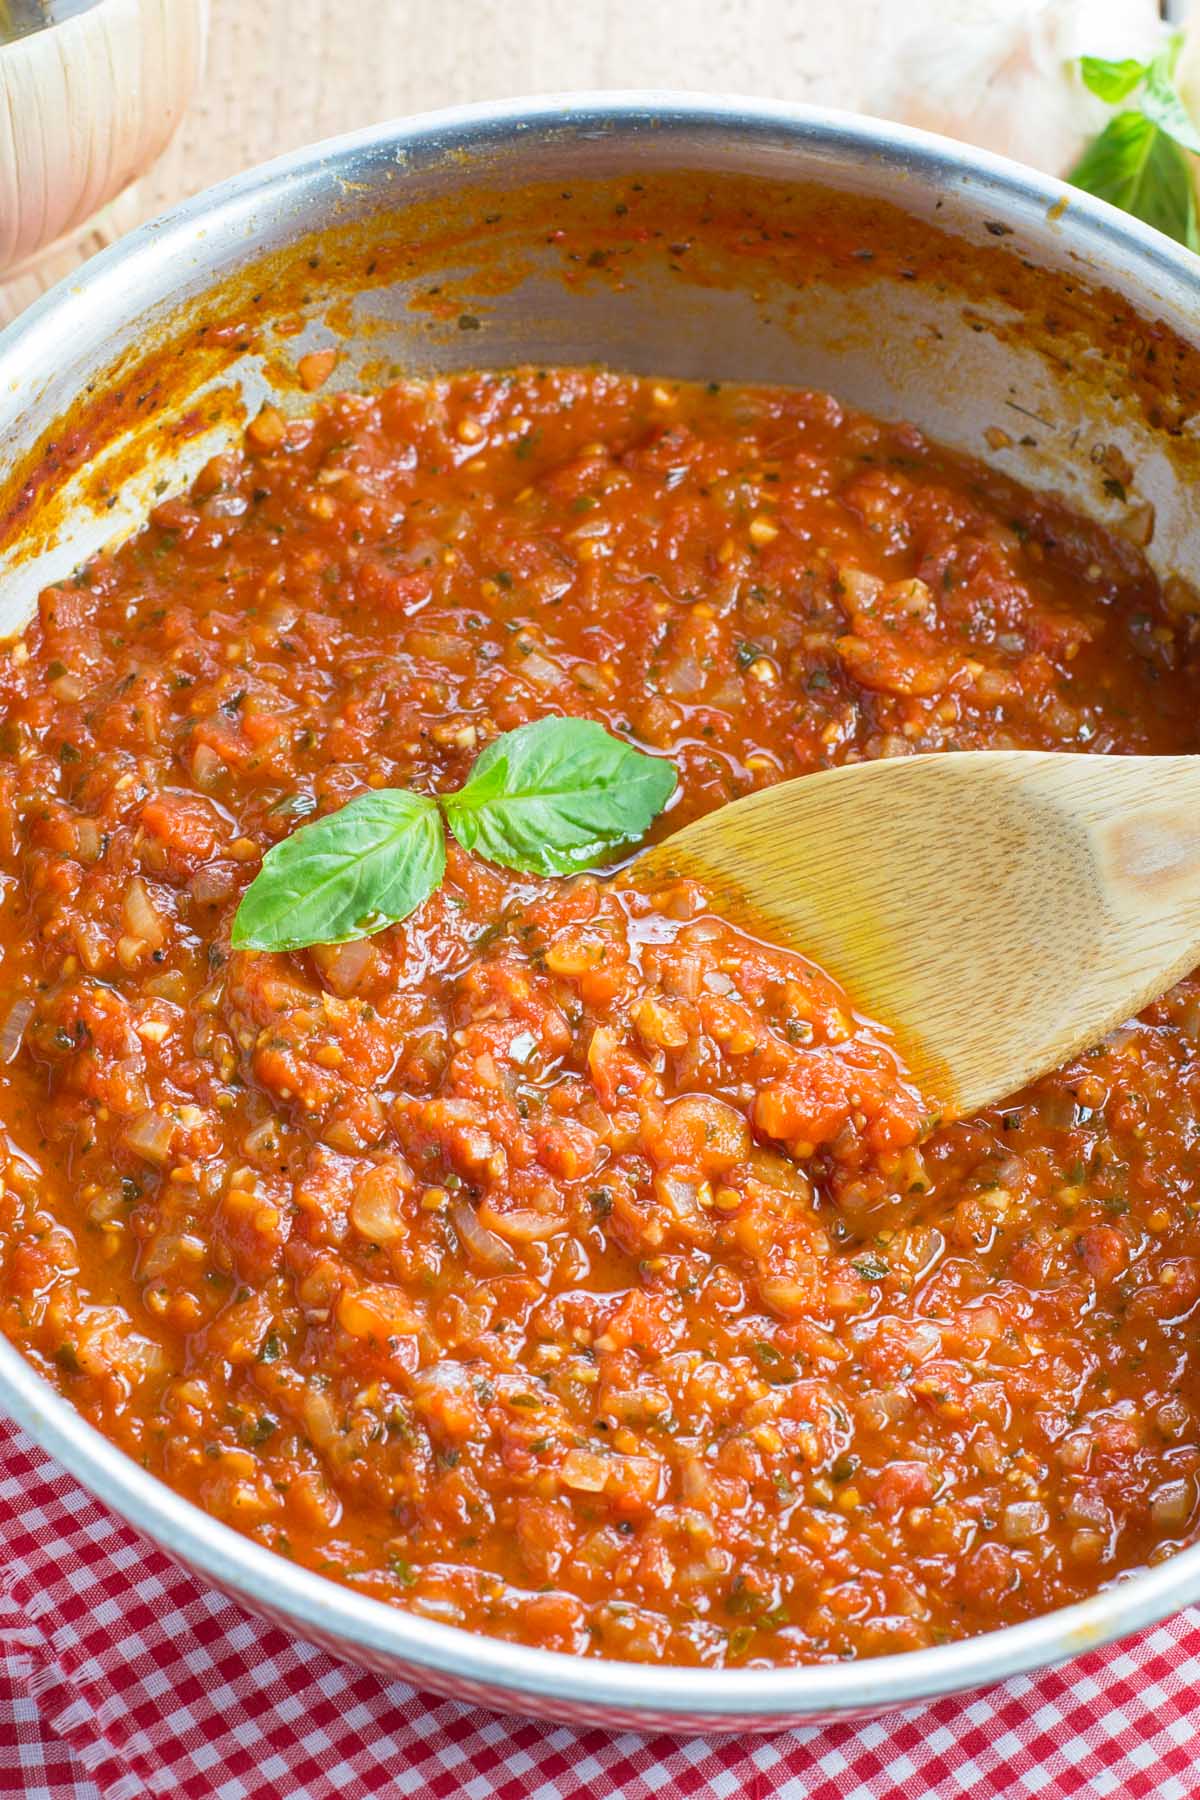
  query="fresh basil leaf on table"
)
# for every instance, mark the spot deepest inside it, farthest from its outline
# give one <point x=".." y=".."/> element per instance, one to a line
<point x="1162" y="104"/>
<point x="1138" y="161"/>
<point x="346" y="875"/>
<point x="1112" y="81"/>
<point x="550" y="798"/>
<point x="1134" y="165"/>
<point x="553" y="797"/>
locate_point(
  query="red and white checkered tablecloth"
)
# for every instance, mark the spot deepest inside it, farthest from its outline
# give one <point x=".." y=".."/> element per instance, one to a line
<point x="122" y="1677"/>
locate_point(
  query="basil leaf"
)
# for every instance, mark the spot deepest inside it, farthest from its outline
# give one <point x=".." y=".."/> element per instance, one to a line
<point x="1161" y="101"/>
<point x="1111" y="81"/>
<point x="556" y="796"/>
<point x="345" y="876"/>
<point x="1139" y="168"/>
<point x="547" y="799"/>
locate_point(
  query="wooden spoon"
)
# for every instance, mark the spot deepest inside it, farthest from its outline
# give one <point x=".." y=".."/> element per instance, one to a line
<point x="999" y="910"/>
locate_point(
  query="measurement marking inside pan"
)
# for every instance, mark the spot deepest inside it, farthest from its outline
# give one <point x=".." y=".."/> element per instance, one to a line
<point x="1016" y="407"/>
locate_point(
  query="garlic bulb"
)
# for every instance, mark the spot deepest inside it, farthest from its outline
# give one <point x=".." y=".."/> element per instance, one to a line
<point x="1001" y="73"/>
<point x="85" y="107"/>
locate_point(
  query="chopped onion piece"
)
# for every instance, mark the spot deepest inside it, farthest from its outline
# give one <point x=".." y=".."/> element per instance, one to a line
<point x="344" y="966"/>
<point x="140" y="916"/>
<point x="88" y="840"/>
<point x="490" y="1251"/>
<point x="537" y="669"/>
<point x="12" y="1032"/>
<point x="213" y="884"/>
<point x="681" y="1196"/>
<point x="162" y="1254"/>
<point x="264" y="1138"/>
<point x="522" y="1225"/>
<point x="376" y="1211"/>
<point x="151" y="1136"/>
<point x="1023" y="1521"/>
<point x="684" y="679"/>
<point x="1172" y="1503"/>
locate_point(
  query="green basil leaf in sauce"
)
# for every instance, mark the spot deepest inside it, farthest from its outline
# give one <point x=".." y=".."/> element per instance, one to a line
<point x="547" y="799"/>
<point x="557" y="796"/>
<point x="345" y="876"/>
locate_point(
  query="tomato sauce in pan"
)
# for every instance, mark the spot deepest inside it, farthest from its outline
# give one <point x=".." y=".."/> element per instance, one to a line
<point x="560" y="1263"/>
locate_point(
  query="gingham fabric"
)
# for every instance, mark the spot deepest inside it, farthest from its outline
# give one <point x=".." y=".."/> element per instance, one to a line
<point x="122" y="1677"/>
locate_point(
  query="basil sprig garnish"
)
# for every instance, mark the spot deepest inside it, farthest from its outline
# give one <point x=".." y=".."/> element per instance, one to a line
<point x="1138" y="161"/>
<point x="547" y="799"/>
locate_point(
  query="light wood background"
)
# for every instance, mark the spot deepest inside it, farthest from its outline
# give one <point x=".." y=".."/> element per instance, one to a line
<point x="285" y="72"/>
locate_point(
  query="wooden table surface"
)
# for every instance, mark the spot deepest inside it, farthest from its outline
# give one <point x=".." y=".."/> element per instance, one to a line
<point x="285" y="72"/>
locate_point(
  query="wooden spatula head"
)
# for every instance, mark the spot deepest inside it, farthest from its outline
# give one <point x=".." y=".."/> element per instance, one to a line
<point x="1000" y="911"/>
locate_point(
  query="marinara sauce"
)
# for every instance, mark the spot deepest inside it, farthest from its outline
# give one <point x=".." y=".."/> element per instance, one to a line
<point x="560" y="1263"/>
